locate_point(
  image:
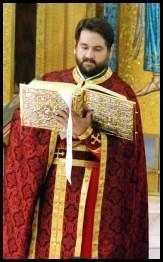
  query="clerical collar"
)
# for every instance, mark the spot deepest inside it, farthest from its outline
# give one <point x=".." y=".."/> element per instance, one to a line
<point x="96" y="79"/>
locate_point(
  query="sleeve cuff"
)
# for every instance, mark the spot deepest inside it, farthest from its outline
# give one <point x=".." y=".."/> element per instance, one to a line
<point x="86" y="133"/>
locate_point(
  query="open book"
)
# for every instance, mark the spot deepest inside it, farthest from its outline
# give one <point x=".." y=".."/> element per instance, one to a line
<point x="112" y="112"/>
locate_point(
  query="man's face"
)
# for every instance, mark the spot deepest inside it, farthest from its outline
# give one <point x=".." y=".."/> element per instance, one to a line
<point x="91" y="53"/>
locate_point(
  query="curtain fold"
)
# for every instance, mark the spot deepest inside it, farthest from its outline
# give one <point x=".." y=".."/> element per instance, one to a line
<point x="152" y="37"/>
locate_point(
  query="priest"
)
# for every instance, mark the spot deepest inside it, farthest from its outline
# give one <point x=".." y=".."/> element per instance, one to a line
<point x="103" y="212"/>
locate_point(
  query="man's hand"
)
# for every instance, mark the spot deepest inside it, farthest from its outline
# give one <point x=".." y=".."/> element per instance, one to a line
<point x="62" y="118"/>
<point x="80" y="124"/>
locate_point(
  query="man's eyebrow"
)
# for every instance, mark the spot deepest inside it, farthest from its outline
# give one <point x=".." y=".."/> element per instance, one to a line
<point x="83" y="44"/>
<point x="96" y="46"/>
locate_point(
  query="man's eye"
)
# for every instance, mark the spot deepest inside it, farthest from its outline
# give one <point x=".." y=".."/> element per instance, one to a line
<point x="84" y="47"/>
<point x="98" y="49"/>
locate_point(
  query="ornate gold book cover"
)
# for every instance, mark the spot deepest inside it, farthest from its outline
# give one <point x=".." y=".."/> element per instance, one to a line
<point x="39" y="100"/>
<point x="112" y="112"/>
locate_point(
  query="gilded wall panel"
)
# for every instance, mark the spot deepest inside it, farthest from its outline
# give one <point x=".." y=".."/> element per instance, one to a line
<point x="55" y="37"/>
<point x="150" y="112"/>
<point x="55" y="34"/>
<point x="40" y="39"/>
<point x="74" y="13"/>
<point x="8" y="51"/>
<point x="50" y="37"/>
<point x="131" y="70"/>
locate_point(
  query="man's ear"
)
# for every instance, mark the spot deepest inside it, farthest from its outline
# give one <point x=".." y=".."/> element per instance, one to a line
<point x="111" y="51"/>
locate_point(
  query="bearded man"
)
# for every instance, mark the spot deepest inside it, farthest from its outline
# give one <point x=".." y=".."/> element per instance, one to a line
<point x="103" y="213"/>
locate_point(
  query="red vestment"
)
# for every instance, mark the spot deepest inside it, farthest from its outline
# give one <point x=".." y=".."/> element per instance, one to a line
<point x="97" y="216"/>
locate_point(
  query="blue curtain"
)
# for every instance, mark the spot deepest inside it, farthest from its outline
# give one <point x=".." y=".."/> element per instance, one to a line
<point x="152" y="37"/>
<point x="111" y="12"/>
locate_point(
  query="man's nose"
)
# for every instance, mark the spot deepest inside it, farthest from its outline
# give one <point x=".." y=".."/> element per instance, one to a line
<point x="90" y="53"/>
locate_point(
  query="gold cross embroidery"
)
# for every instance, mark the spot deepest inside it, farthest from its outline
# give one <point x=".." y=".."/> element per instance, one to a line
<point x="96" y="139"/>
<point x="59" y="154"/>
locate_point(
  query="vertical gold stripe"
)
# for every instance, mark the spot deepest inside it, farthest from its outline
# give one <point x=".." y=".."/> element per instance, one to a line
<point x="52" y="146"/>
<point x="84" y="190"/>
<point x="8" y="51"/>
<point x="40" y="39"/>
<point x="58" y="212"/>
<point x="32" y="248"/>
<point x="98" y="206"/>
<point x="55" y="36"/>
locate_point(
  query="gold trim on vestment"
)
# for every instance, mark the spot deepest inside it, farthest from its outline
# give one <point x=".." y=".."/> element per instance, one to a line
<point x="32" y="249"/>
<point x="96" y="151"/>
<point x="58" y="212"/>
<point x="86" y="133"/>
<point x="97" y="217"/>
<point x="77" y="162"/>
<point x="76" y="147"/>
<point x="80" y="147"/>
<point x="83" y="198"/>
<point x="97" y="81"/>
<point x="52" y="145"/>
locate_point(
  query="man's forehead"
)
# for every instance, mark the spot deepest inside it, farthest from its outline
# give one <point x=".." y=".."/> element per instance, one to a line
<point x="87" y="37"/>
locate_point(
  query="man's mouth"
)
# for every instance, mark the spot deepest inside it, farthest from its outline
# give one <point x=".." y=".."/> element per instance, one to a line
<point x="89" y="63"/>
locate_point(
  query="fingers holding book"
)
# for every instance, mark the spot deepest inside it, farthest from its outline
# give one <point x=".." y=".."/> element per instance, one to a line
<point x="61" y="117"/>
<point x="80" y="124"/>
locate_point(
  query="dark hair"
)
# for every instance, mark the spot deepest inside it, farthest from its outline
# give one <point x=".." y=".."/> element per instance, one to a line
<point x="98" y="25"/>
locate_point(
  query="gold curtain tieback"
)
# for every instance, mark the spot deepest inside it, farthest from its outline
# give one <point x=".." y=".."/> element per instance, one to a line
<point x="86" y="133"/>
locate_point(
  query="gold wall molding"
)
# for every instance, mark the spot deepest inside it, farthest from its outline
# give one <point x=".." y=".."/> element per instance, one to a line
<point x="8" y="51"/>
<point x="55" y="34"/>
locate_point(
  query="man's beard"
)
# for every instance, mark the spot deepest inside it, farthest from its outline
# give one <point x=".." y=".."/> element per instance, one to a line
<point x="91" y="71"/>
